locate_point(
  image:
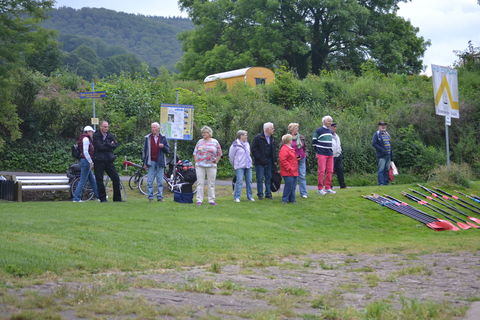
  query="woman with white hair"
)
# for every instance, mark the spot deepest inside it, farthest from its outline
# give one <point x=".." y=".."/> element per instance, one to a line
<point x="207" y="154"/>
<point x="300" y="147"/>
<point x="288" y="169"/>
<point x="239" y="155"/>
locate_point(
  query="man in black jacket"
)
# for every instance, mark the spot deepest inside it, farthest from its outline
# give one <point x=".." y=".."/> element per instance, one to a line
<point x="264" y="156"/>
<point x="104" y="143"/>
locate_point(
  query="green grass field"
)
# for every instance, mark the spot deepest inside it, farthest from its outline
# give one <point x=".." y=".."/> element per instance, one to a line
<point x="63" y="237"/>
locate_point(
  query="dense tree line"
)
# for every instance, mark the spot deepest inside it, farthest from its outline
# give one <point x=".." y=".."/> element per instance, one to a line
<point x="50" y="108"/>
<point x="306" y="35"/>
<point x="121" y="36"/>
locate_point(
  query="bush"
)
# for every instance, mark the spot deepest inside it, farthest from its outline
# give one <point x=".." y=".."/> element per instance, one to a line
<point x="50" y="155"/>
<point x="449" y="176"/>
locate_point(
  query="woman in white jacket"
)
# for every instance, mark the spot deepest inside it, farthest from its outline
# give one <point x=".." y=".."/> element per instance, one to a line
<point x="239" y="155"/>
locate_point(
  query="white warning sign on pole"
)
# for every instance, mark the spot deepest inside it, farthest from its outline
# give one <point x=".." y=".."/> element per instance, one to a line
<point x="445" y="91"/>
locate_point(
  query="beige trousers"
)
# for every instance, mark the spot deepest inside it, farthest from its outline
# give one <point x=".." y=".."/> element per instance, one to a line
<point x="211" y="173"/>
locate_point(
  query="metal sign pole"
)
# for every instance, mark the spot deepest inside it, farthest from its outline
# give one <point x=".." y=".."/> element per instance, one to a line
<point x="447" y="144"/>
<point x="175" y="145"/>
<point x="93" y="106"/>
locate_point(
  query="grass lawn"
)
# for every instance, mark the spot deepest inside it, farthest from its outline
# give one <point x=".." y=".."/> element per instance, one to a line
<point x="62" y="237"/>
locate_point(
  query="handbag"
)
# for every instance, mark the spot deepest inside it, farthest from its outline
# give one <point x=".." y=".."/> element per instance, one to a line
<point x="276" y="181"/>
<point x="394" y="168"/>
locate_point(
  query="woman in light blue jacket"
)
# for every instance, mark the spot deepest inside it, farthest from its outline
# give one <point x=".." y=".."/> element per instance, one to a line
<point x="239" y="155"/>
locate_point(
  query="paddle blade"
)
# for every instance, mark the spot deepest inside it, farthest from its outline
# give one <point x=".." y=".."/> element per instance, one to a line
<point x="474" y="219"/>
<point x="473" y="225"/>
<point x="442" y="225"/>
<point x="463" y="226"/>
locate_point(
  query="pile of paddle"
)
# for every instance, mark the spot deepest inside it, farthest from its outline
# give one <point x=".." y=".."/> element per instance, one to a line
<point x="443" y="205"/>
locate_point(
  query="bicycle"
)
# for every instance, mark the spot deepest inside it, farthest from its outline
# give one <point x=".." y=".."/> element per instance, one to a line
<point x="174" y="182"/>
<point x="135" y="178"/>
<point x="74" y="174"/>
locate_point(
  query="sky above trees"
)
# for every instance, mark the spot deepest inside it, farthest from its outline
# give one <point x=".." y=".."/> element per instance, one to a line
<point x="448" y="24"/>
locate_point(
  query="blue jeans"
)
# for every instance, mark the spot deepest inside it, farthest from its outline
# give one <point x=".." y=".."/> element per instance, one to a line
<point x="302" y="172"/>
<point x="289" y="189"/>
<point x="240" y="173"/>
<point x="85" y="173"/>
<point x="155" y="171"/>
<point x="264" y="173"/>
<point x="382" y="172"/>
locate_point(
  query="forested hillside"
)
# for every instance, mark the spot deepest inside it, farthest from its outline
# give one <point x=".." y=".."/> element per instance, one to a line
<point x="107" y="32"/>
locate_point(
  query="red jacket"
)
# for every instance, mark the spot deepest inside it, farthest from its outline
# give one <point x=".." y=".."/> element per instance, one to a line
<point x="288" y="162"/>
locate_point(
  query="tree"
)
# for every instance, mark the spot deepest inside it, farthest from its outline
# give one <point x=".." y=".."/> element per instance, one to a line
<point x="18" y="27"/>
<point x="306" y="35"/>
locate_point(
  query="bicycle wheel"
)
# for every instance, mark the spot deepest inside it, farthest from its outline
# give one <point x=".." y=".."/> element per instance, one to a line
<point x="133" y="181"/>
<point x="87" y="193"/>
<point x="142" y="186"/>
<point x="123" y="191"/>
<point x="109" y="188"/>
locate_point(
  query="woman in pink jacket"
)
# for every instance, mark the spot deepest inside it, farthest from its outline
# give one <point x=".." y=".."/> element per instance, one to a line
<point x="288" y="168"/>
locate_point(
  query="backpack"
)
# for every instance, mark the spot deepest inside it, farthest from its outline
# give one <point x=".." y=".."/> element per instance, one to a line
<point x="76" y="152"/>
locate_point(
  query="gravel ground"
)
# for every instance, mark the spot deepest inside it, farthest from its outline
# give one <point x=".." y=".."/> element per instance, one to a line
<point x="290" y="288"/>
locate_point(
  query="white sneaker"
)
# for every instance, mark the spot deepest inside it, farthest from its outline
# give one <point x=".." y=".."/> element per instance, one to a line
<point x="322" y="192"/>
<point x="236" y="200"/>
<point x="330" y="191"/>
<point x="304" y="196"/>
<point x="77" y="201"/>
<point x="251" y="199"/>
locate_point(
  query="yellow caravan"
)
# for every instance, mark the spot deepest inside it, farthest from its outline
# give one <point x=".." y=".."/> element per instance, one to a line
<point x="252" y="76"/>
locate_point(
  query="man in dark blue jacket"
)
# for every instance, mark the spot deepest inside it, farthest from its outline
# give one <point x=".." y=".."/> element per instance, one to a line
<point x="382" y="143"/>
<point x="264" y="156"/>
<point x="155" y="150"/>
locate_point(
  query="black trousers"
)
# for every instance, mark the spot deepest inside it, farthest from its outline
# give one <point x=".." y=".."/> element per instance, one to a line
<point x="101" y="166"/>
<point x="338" y="169"/>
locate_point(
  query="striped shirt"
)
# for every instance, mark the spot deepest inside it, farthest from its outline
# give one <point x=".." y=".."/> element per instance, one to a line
<point x="322" y="141"/>
<point x="386" y="140"/>
<point x="207" y="152"/>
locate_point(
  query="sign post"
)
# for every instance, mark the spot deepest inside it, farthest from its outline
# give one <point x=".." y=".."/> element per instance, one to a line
<point x="93" y="95"/>
<point x="176" y="122"/>
<point x="445" y="92"/>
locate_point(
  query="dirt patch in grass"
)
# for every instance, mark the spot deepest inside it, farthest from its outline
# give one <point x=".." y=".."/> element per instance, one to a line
<point x="299" y="287"/>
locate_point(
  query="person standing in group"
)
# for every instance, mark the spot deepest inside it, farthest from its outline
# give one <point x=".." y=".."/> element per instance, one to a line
<point x="300" y="147"/>
<point x="85" y="145"/>
<point x="382" y="143"/>
<point x="155" y="149"/>
<point x="264" y="156"/>
<point x="322" y="143"/>
<point x="288" y="169"/>
<point x="104" y="144"/>
<point x="337" y="156"/>
<point x="207" y="154"/>
<point x="239" y="155"/>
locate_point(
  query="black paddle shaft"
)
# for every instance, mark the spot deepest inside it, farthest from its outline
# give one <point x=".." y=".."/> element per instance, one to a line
<point x="457" y="201"/>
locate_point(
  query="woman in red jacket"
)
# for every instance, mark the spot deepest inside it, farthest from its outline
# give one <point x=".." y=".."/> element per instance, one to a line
<point x="288" y="168"/>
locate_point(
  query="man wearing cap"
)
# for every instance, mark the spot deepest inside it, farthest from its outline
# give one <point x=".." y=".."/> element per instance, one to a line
<point x="85" y="145"/>
<point x="104" y="143"/>
<point x="322" y="143"/>
<point x="382" y="143"/>
<point x="155" y="149"/>
<point x="337" y="156"/>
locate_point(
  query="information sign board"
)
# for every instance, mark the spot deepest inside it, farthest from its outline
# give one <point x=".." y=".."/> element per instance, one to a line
<point x="176" y="121"/>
